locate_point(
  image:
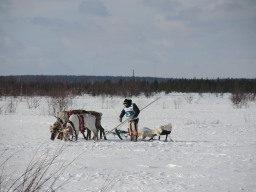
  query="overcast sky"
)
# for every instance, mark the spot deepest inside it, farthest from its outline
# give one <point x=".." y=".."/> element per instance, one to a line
<point x="158" y="38"/>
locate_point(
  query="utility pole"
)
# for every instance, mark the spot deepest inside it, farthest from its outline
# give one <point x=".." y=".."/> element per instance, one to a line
<point x="133" y="78"/>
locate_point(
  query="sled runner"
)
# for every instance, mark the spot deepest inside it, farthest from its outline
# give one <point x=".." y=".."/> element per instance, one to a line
<point x="120" y="133"/>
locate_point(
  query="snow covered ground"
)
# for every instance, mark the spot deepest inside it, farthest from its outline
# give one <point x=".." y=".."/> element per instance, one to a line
<point x="214" y="146"/>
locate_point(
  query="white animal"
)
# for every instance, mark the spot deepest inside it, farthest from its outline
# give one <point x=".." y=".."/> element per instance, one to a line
<point x="72" y="127"/>
<point x="161" y="130"/>
<point x="146" y="132"/>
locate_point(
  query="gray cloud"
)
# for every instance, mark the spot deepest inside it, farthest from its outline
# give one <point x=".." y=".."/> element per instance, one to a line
<point x="93" y="7"/>
<point x="163" y="5"/>
<point x="4" y="5"/>
<point x="8" y="44"/>
<point x="43" y="21"/>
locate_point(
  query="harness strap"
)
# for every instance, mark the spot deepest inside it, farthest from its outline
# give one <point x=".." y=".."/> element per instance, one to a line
<point x="81" y="123"/>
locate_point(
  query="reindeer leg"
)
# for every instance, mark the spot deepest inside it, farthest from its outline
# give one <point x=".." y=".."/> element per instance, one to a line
<point x="97" y="138"/>
<point x="100" y="133"/>
<point x="102" y="130"/>
<point x="52" y="137"/>
<point x="84" y="136"/>
<point x="61" y="135"/>
<point x="88" y="134"/>
<point x="104" y="134"/>
<point x="166" y="137"/>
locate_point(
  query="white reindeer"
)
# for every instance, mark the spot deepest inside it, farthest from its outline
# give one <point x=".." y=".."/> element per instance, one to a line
<point x="73" y="126"/>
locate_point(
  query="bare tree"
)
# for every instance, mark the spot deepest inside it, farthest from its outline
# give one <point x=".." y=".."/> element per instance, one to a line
<point x="189" y="98"/>
<point x="11" y="105"/>
<point x="239" y="99"/>
<point x="61" y="98"/>
<point x="109" y="184"/>
<point x="33" y="102"/>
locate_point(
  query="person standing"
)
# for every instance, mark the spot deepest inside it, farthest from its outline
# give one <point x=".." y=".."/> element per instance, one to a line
<point x="131" y="111"/>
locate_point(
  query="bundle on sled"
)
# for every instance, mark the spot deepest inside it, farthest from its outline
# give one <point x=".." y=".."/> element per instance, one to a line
<point x="161" y="130"/>
<point x="63" y="117"/>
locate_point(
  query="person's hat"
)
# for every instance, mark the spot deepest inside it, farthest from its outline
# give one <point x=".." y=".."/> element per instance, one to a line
<point x="127" y="102"/>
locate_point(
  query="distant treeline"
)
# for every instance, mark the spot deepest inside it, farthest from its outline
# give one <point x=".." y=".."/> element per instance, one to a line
<point x="117" y="86"/>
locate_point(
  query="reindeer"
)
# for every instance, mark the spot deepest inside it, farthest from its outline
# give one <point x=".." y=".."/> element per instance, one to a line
<point x="56" y="129"/>
<point x="98" y="116"/>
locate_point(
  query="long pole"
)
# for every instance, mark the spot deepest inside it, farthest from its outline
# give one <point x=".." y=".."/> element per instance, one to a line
<point x="128" y="119"/>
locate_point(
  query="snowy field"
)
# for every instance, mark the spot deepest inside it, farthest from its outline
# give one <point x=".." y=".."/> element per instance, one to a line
<point x="214" y="146"/>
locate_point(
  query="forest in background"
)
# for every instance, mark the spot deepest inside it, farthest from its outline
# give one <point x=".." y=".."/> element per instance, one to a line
<point x="118" y="86"/>
<point x="61" y="90"/>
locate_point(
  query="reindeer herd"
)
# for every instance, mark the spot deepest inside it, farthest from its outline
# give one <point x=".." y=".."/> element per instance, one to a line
<point x="69" y="123"/>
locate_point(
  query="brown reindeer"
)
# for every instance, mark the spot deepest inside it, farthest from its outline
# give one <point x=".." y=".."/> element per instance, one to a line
<point x="98" y="125"/>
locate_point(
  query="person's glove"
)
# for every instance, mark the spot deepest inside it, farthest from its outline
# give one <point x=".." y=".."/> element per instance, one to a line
<point x="120" y="120"/>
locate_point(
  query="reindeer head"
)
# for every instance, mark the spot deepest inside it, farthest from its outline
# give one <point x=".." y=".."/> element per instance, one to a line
<point x="56" y="129"/>
<point x="67" y="133"/>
